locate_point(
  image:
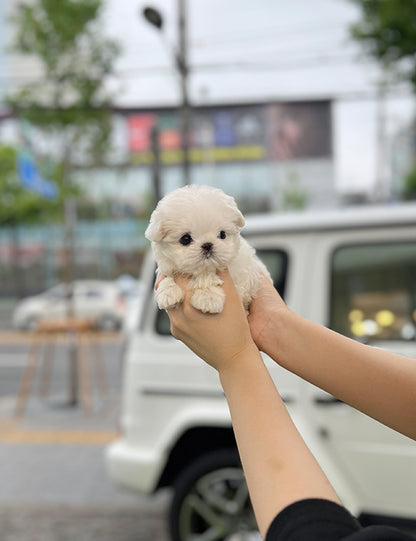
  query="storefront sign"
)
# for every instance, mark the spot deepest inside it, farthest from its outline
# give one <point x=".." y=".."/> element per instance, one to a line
<point x="273" y="132"/>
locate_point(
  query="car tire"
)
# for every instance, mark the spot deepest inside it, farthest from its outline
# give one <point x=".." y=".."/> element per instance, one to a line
<point x="30" y="324"/>
<point x="211" y="495"/>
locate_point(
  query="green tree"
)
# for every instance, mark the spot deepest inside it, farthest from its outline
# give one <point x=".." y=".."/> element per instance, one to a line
<point x="19" y="206"/>
<point x="387" y="30"/>
<point x="294" y="197"/>
<point x="409" y="192"/>
<point x="69" y="102"/>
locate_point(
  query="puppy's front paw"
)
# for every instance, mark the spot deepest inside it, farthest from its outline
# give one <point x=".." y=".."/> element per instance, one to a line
<point x="168" y="294"/>
<point x="210" y="300"/>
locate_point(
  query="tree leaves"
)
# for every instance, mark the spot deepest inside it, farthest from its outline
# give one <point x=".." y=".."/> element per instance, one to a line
<point x="387" y="31"/>
<point x="70" y="102"/>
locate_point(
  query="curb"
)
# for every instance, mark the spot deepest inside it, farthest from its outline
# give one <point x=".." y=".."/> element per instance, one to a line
<point x="20" y="337"/>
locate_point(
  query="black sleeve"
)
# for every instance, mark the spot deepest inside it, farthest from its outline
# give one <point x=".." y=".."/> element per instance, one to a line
<point x="323" y="520"/>
<point x="312" y="520"/>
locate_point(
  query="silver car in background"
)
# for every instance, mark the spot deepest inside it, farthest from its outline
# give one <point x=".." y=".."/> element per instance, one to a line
<point x="101" y="301"/>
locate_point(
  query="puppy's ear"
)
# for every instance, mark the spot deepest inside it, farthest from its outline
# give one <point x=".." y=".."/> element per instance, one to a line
<point x="155" y="230"/>
<point x="239" y="219"/>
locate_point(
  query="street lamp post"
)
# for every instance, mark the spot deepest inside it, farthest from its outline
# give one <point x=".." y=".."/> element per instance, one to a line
<point x="154" y="17"/>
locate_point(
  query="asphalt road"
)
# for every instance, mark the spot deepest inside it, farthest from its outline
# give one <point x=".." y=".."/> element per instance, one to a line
<point x="53" y="481"/>
<point x="54" y="486"/>
<point x="64" y="523"/>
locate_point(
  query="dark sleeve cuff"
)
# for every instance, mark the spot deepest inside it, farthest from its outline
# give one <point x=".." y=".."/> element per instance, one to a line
<point x="312" y="520"/>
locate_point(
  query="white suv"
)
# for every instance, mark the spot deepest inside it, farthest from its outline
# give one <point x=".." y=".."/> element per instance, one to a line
<point x="352" y="270"/>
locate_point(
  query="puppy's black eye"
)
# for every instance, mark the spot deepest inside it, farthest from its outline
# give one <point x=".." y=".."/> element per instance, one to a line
<point x="185" y="239"/>
<point x="222" y="235"/>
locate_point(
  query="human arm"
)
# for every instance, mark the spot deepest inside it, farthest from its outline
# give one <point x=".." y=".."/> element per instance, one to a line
<point x="381" y="384"/>
<point x="278" y="466"/>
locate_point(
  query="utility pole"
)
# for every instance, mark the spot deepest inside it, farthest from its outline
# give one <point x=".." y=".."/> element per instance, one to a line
<point x="182" y="63"/>
<point x="156" y="164"/>
<point x="381" y="190"/>
<point x="180" y="55"/>
<point x="70" y="221"/>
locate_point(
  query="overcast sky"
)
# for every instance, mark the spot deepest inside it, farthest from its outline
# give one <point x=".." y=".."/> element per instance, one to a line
<point x="240" y="49"/>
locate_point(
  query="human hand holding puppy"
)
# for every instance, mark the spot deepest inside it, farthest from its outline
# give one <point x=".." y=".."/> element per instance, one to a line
<point x="219" y="339"/>
<point x="266" y="437"/>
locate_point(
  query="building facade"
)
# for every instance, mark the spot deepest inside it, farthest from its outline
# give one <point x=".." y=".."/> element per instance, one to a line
<point x="270" y="156"/>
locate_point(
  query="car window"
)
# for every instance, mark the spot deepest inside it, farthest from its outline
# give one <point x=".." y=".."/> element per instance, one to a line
<point x="373" y="291"/>
<point x="275" y="260"/>
<point x="56" y="293"/>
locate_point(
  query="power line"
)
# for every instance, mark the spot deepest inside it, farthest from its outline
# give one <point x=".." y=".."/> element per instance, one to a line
<point x="286" y="64"/>
<point x="336" y="58"/>
<point x="243" y="65"/>
<point x="205" y="41"/>
<point x="393" y="91"/>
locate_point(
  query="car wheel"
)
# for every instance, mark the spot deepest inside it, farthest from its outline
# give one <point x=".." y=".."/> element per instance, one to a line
<point x="211" y="501"/>
<point x="30" y="324"/>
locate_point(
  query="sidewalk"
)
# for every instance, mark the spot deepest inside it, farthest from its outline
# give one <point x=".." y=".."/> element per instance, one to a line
<point x="51" y="418"/>
<point x="55" y="484"/>
<point x="11" y="337"/>
<point x="55" y="454"/>
<point x="55" y="422"/>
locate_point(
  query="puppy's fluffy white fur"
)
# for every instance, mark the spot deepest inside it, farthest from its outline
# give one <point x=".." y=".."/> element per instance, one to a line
<point x="195" y="231"/>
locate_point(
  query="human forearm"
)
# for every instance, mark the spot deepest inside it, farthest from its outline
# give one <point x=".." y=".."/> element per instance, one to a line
<point x="378" y="383"/>
<point x="278" y="466"/>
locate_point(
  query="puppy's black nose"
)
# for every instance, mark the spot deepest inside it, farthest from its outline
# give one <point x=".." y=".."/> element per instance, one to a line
<point x="207" y="247"/>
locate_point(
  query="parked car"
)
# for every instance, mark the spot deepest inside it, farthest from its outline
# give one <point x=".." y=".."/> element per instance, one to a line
<point x="352" y="270"/>
<point x="101" y="301"/>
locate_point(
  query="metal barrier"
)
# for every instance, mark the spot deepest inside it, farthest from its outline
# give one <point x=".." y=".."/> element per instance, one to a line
<point x="85" y="337"/>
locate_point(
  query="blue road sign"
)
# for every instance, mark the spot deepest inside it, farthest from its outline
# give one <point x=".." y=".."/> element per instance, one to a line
<point x="31" y="178"/>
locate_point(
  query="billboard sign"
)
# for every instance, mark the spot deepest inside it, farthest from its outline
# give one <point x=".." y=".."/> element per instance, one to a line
<point x="255" y="132"/>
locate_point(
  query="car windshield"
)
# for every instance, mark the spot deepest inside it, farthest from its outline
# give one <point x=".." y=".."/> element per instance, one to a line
<point x="57" y="292"/>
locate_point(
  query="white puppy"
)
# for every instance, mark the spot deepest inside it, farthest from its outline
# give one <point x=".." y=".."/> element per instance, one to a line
<point x="195" y="231"/>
